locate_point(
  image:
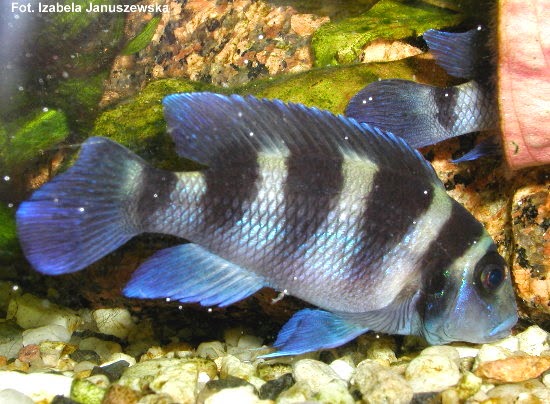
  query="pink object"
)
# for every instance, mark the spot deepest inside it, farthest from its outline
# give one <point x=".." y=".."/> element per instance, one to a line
<point x="524" y="81"/>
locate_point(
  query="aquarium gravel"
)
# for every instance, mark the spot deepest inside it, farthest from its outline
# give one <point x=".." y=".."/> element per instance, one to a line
<point x="55" y="354"/>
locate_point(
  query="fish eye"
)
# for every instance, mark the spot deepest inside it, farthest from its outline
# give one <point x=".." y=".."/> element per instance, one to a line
<point x="491" y="271"/>
<point x="492" y="277"/>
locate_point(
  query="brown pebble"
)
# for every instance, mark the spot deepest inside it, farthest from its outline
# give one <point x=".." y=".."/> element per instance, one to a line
<point x="3" y="360"/>
<point x="119" y="394"/>
<point x="29" y="353"/>
<point x="514" y="369"/>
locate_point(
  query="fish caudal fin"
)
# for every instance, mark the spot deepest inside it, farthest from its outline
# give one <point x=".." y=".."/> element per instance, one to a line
<point x="311" y="330"/>
<point x="84" y="213"/>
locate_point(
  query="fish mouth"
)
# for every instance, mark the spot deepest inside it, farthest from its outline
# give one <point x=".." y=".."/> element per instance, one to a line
<point x="503" y="329"/>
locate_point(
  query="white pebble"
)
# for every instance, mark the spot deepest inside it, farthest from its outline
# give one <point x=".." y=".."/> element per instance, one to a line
<point x="211" y="350"/>
<point x="427" y="373"/>
<point x="37" y="386"/>
<point x="116" y="321"/>
<point x="11" y="396"/>
<point x="533" y="341"/>
<point x="380" y="384"/>
<point x="315" y="373"/>
<point x="103" y="348"/>
<point x="51" y="332"/>
<point x="343" y="369"/>
<point x="241" y="395"/>
<point x="30" y="312"/>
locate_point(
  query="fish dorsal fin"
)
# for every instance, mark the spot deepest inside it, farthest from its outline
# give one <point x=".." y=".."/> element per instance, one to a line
<point x="218" y="130"/>
<point x="460" y="54"/>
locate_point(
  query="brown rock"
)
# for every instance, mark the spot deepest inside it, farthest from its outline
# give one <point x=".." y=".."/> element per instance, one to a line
<point x="530" y="223"/>
<point x="223" y="43"/>
<point x="118" y="394"/>
<point x="514" y="369"/>
<point x="29" y="353"/>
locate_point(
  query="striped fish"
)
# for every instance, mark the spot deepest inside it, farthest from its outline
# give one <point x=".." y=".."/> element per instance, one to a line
<point x="424" y="115"/>
<point x="339" y="214"/>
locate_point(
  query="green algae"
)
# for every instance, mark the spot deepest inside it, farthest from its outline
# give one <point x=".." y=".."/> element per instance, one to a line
<point x="39" y="132"/>
<point x="139" y="124"/>
<point x="342" y="42"/>
<point x="8" y="235"/>
<point x="317" y="87"/>
<point x="142" y="39"/>
<point x="69" y="25"/>
<point x="86" y="392"/>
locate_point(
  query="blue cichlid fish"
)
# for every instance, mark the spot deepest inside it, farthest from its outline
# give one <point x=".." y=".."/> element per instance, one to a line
<point x="424" y="115"/>
<point x="339" y="214"/>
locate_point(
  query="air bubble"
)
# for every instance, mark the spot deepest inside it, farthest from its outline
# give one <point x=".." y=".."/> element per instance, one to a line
<point x="7" y="178"/>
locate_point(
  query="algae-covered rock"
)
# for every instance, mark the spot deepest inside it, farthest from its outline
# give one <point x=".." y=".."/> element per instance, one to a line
<point x="39" y="132"/>
<point x="139" y="123"/>
<point x="341" y="42"/>
<point x="317" y="87"/>
<point x="8" y="236"/>
<point x="86" y="392"/>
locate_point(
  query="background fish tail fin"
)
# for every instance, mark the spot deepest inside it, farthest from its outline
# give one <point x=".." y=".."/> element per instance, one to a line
<point x="424" y="115"/>
<point x="82" y="214"/>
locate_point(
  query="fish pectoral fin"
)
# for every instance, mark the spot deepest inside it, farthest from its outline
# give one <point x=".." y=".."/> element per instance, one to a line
<point x="191" y="274"/>
<point x="399" y="317"/>
<point x="488" y="147"/>
<point x="312" y="329"/>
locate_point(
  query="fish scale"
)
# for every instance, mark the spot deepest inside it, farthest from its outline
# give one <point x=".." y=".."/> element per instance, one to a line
<point x="342" y="215"/>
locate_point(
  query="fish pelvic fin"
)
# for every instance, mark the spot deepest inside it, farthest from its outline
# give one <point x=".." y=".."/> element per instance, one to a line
<point x="83" y="213"/>
<point x="312" y="329"/>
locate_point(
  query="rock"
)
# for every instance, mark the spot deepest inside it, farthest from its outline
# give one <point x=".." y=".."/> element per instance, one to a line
<point x="428" y="373"/>
<point x="226" y="43"/>
<point x="84" y="391"/>
<point x="117" y="394"/>
<point x="30" y="354"/>
<point x="52" y="332"/>
<point x="231" y="366"/>
<point x="341" y="42"/>
<point x="243" y="394"/>
<point x="52" y="352"/>
<point x="334" y="392"/>
<point x="81" y="355"/>
<point x="116" y="321"/>
<point x="533" y="341"/>
<point x="174" y="377"/>
<point x="343" y="368"/>
<point x="379" y="384"/>
<point x="11" y="396"/>
<point x="315" y="373"/>
<point x="300" y="392"/>
<point x="489" y="353"/>
<point x="215" y="386"/>
<point x="510" y="393"/>
<point x="118" y="356"/>
<point x="272" y="371"/>
<point x="103" y="348"/>
<point x="211" y="350"/>
<point x="37" y="386"/>
<point x="531" y="267"/>
<point x="11" y="339"/>
<point x="113" y="370"/>
<point x="271" y="389"/>
<point x="31" y="312"/>
<point x="514" y="369"/>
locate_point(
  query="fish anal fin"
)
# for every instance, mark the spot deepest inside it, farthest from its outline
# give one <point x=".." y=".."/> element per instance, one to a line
<point x="189" y="273"/>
